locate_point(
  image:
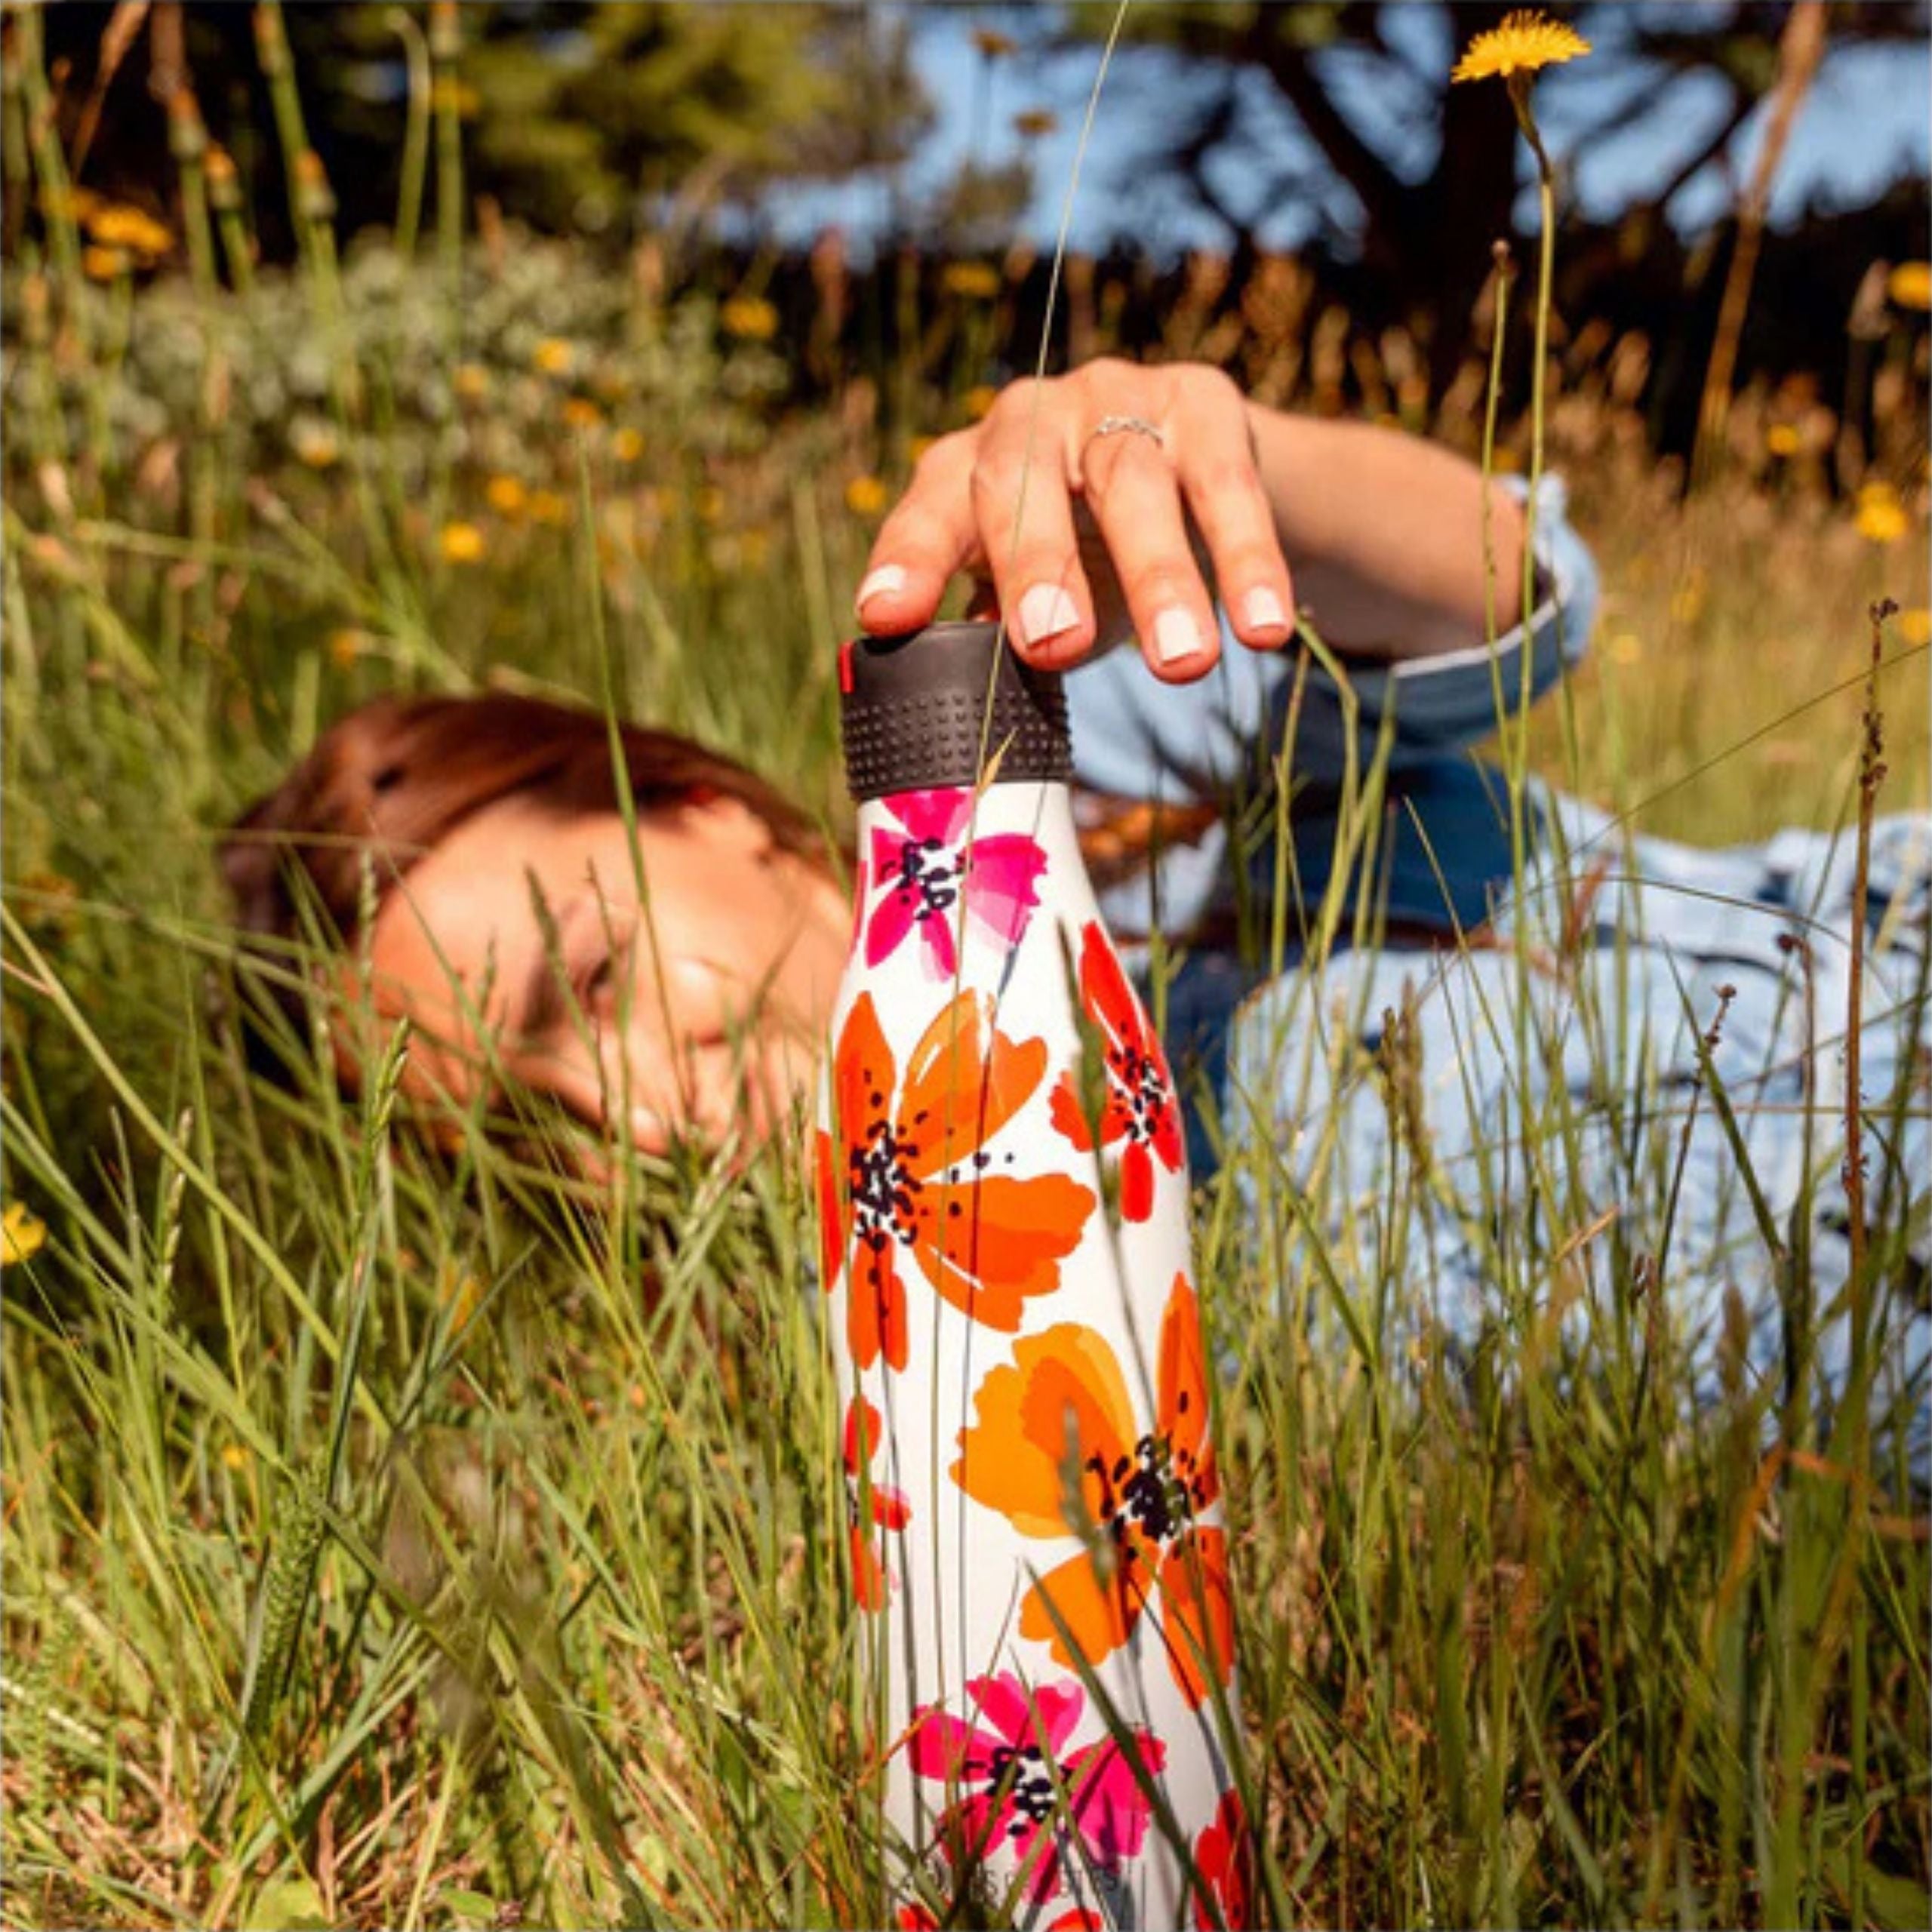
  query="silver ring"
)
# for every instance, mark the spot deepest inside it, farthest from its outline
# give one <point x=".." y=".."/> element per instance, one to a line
<point x="1115" y="425"/>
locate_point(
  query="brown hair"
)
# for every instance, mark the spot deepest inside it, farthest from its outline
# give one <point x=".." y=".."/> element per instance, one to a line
<point x="388" y="779"/>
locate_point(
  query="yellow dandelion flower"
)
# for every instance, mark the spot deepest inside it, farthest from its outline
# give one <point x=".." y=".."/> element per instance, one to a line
<point x="548" y="506"/>
<point x="1524" y="42"/>
<point x="461" y="543"/>
<point x="1879" y="516"/>
<point x="749" y="318"/>
<point x="627" y="445"/>
<point x="457" y="95"/>
<point x="100" y="264"/>
<point x="315" y="443"/>
<point x="117" y="226"/>
<point x="1910" y="285"/>
<point x="979" y="399"/>
<point x="22" y="1235"/>
<point x="866" y="495"/>
<point x="506" y="495"/>
<point x="234" y="1457"/>
<point x="1783" y="439"/>
<point x="1915" y="626"/>
<point x="553" y="356"/>
<point x="471" y="381"/>
<point x="581" y="413"/>
<point x="979" y="280"/>
<point x="346" y="647"/>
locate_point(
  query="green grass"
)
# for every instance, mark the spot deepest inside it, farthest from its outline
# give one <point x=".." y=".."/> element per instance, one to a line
<point x="399" y="1536"/>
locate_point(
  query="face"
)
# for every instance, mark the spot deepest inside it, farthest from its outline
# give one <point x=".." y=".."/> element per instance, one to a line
<point x="693" y="1006"/>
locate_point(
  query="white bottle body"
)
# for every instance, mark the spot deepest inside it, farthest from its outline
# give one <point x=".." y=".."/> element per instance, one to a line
<point x="1037" y="1539"/>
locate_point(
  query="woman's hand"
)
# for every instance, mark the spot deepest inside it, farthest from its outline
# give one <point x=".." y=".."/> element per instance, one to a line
<point x="1088" y="527"/>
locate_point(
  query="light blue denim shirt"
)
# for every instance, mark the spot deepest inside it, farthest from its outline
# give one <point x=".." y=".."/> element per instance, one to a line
<point x="1208" y="742"/>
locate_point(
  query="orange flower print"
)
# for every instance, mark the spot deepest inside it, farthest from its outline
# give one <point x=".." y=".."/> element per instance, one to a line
<point x="870" y="1506"/>
<point x="1140" y="1108"/>
<point x="1063" y="1402"/>
<point x="907" y="1177"/>
<point x="1224" y="1858"/>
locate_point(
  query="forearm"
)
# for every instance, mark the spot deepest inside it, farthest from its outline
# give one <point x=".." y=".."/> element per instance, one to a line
<point x="1383" y="532"/>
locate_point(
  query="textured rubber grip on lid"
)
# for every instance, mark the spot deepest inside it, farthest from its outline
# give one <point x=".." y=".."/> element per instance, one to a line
<point x="914" y="711"/>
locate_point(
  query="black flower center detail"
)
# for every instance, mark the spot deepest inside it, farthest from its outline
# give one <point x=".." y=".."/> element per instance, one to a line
<point x="884" y="1190"/>
<point x="1019" y="1773"/>
<point x="928" y="879"/>
<point x="1140" y="1096"/>
<point x="1155" y="1490"/>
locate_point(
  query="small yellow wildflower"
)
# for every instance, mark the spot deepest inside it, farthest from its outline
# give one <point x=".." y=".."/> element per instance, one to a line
<point x="554" y="356"/>
<point x="471" y="381"/>
<point x="449" y="92"/>
<point x="21" y="1234"/>
<point x="1783" y="439"/>
<point x="1880" y="517"/>
<point x="979" y="399"/>
<point x="505" y="495"/>
<point x="976" y="279"/>
<point x="866" y="495"/>
<point x="461" y="543"/>
<point x="117" y="226"/>
<point x="749" y="318"/>
<point x="627" y="445"/>
<point x="1915" y="626"/>
<point x="345" y="646"/>
<point x="1524" y="42"/>
<point x="1030" y="123"/>
<point x="315" y="443"/>
<point x="234" y="1457"/>
<point x="581" y="413"/>
<point x="100" y="264"/>
<point x="1626" y="648"/>
<point x="1910" y="285"/>
<point x="548" y="506"/>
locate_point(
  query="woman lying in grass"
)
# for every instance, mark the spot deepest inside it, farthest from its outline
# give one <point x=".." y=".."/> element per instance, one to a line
<point x="1433" y="1011"/>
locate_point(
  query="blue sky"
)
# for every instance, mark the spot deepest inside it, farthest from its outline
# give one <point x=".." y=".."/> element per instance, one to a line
<point x="1867" y="120"/>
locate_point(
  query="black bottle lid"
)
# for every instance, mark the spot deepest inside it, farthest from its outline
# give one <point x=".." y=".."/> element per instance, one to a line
<point x="915" y="712"/>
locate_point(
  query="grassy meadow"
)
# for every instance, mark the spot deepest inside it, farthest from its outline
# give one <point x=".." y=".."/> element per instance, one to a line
<point x="400" y="1531"/>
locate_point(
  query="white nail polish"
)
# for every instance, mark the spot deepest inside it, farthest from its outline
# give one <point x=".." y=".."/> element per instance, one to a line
<point x="1262" y="609"/>
<point x="888" y="577"/>
<point x="1176" y="635"/>
<point x="1044" y="612"/>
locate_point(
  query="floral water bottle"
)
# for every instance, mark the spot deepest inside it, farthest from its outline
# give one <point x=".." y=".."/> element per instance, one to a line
<point x="1036" y="1539"/>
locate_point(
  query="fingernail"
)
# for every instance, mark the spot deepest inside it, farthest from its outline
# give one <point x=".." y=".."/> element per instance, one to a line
<point x="1176" y="636"/>
<point x="887" y="578"/>
<point x="1263" y="610"/>
<point x="1044" y="612"/>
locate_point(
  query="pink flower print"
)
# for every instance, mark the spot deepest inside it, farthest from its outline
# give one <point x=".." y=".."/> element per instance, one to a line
<point x="1017" y="1784"/>
<point x="921" y="875"/>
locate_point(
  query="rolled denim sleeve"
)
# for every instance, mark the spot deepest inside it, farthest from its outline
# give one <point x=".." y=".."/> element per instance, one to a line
<point x="1178" y="745"/>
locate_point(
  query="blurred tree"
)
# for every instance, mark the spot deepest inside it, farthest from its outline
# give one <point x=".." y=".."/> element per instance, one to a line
<point x="582" y="113"/>
<point x="1411" y="176"/>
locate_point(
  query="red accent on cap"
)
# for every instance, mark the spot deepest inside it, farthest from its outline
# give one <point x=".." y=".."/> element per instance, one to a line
<point x="845" y="666"/>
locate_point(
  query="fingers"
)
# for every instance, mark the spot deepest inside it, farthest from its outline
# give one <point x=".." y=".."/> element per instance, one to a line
<point x="931" y="534"/>
<point x="1024" y="509"/>
<point x="1224" y="493"/>
<point x="1132" y="490"/>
